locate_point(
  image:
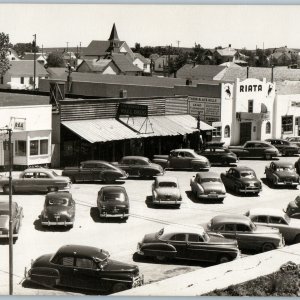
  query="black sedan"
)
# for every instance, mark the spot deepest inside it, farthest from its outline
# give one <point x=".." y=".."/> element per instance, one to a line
<point x="190" y="243"/>
<point x="17" y="215"/>
<point x="83" y="267"/>
<point x="284" y="147"/>
<point x="241" y="180"/>
<point x="293" y="208"/>
<point x="59" y="210"/>
<point x="113" y="201"/>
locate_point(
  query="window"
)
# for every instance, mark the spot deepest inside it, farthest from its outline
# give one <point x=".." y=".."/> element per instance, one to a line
<point x="297" y="121"/>
<point x="1" y="80"/>
<point x="20" y="148"/>
<point x="34" y="147"/>
<point x="178" y="237"/>
<point x="195" y="238"/>
<point x="268" y="127"/>
<point x="217" y="131"/>
<point x="29" y="175"/>
<point x="42" y="175"/>
<point x="287" y="123"/>
<point x="229" y="227"/>
<point x="85" y="263"/>
<point x="227" y="131"/>
<point x="261" y="219"/>
<point x="22" y="80"/>
<point x="250" y="106"/>
<point x="67" y="261"/>
<point x="30" y="80"/>
<point x="242" y="227"/>
<point x="43" y="147"/>
<point x="277" y="220"/>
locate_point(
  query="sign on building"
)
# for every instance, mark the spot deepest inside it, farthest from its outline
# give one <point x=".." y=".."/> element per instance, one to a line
<point x="133" y="110"/>
<point x="18" y="123"/>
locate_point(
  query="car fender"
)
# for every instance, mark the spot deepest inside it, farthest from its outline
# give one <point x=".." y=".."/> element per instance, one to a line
<point x="163" y="162"/>
<point x="159" y="249"/>
<point x="45" y="276"/>
<point x="196" y="161"/>
<point x="109" y="173"/>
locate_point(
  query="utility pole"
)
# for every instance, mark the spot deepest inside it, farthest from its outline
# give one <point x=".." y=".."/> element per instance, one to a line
<point x="178" y="42"/>
<point x="34" y="60"/>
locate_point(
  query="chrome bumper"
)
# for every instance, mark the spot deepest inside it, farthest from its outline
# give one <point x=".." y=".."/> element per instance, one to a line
<point x="59" y="223"/>
<point x="111" y="215"/>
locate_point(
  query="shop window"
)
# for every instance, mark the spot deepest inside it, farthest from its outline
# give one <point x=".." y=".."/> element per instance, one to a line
<point x="43" y="147"/>
<point x="22" y="80"/>
<point x="268" y="127"/>
<point x="227" y="131"/>
<point x="20" y="148"/>
<point x="34" y="147"/>
<point x="250" y="106"/>
<point x="297" y="121"/>
<point x="1" y="80"/>
<point x="217" y="132"/>
<point x="287" y="124"/>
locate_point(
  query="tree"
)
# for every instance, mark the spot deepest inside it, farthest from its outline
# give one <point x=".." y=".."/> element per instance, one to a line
<point x="55" y="60"/>
<point x="21" y="48"/>
<point x="4" y="48"/>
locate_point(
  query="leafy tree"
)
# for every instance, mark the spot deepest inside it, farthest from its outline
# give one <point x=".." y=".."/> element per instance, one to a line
<point x="55" y="60"/>
<point x="21" y="48"/>
<point x="4" y="47"/>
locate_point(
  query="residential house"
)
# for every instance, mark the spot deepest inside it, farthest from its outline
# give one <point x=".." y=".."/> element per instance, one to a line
<point x="142" y="63"/>
<point x="229" y="54"/>
<point x="283" y="56"/>
<point x="101" y="66"/>
<point x="161" y="64"/>
<point x="39" y="57"/>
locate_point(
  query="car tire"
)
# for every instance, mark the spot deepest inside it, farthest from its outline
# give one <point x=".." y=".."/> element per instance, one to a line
<point x="267" y="247"/>
<point x="119" y="287"/>
<point x="222" y="259"/>
<point x="297" y="239"/>
<point x="73" y="179"/>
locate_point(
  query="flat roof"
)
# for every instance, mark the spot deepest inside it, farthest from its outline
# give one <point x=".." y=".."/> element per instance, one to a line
<point x="11" y="99"/>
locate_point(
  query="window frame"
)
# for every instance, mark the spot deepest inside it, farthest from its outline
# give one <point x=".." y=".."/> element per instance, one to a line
<point x="227" y="131"/>
<point x="288" y="126"/>
<point x="268" y="127"/>
<point x="217" y="131"/>
<point x="17" y="153"/>
<point x="250" y="106"/>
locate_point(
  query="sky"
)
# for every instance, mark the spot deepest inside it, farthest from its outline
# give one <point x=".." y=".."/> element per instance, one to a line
<point x="249" y="26"/>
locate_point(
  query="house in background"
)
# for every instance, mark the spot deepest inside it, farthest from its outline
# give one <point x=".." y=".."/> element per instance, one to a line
<point x="39" y="57"/>
<point x="284" y="56"/>
<point x="12" y="55"/>
<point x="162" y="62"/>
<point x="101" y="66"/>
<point x="20" y="75"/>
<point x="229" y="54"/>
<point x="142" y="63"/>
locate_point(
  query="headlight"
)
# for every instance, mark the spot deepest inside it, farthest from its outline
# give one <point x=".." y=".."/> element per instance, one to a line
<point x="155" y="194"/>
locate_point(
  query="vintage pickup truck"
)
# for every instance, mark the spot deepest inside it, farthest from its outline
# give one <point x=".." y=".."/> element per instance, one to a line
<point x="182" y="159"/>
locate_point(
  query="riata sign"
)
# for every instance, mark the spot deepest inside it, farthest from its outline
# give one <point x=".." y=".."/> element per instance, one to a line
<point x="133" y="110"/>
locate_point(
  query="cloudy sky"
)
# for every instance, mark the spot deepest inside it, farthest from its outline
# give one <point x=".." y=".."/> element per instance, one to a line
<point x="210" y="25"/>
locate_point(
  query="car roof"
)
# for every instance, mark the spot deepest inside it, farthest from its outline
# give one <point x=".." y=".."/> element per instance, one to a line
<point x="166" y="179"/>
<point x="184" y="149"/>
<point x="258" y="141"/>
<point x="175" y="229"/>
<point x="4" y="205"/>
<point x="37" y="170"/>
<point x="208" y="174"/>
<point x="242" y="168"/>
<point x="283" y="164"/>
<point x="223" y="219"/>
<point x="94" y="162"/>
<point x="59" y="195"/>
<point x="135" y="157"/>
<point x="84" y="250"/>
<point x="275" y="140"/>
<point x="276" y="212"/>
<point x="113" y="189"/>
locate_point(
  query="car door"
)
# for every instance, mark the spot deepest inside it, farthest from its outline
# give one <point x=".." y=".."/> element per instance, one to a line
<point x="127" y="166"/>
<point x="178" y="160"/>
<point x="287" y="232"/>
<point x="43" y="181"/>
<point x="228" y="230"/>
<point x="245" y="238"/>
<point x="86" y="172"/>
<point x="98" y="172"/>
<point x="180" y="244"/>
<point x="65" y="266"/>
<point x="197" y="249"/>
<point x="26" y="183"/>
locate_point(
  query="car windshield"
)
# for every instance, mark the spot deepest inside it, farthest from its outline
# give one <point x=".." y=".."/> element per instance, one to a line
<point x="247" y="174"/>
<point x="61" y="201"/>
<point x="287" y="218"/>
<point x="205" y="237"/>
<point x="210" y="180"/>
<point x="252" y="226"/>
<point x="286" y="169"/>
<point x="54" y="174"/>
<point x="114" y="197"/>
<point x="160" y="233"/>
<point x="167" y="184"/>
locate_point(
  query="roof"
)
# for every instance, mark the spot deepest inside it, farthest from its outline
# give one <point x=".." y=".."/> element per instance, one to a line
<point x="173" y="229"/>
<point x="142" y="58"/>
<point x="4" y="205"/>
<point x="103" y="130"/>
<point x="30" y="56"/>
<point x="113" y="189"/>
<point x="242" y="168"/>
<point x="59" y="195"/>
<point x="84" y="250"/>
<point x="230" y="64"/>
<point x="266" y="212"/>
<point x="57" y="72"/>
<point x="113" y="35"/>
<point x="10" y="99"/>
<point x="166" y="179"/>
<point x="221" y="219"/>
<point x="228" y="51"/>
<point x="285" y="164"/>
<point x="124" y="63"/>
<point x="25" y="68"/>
<point x="96" y="48"/>
<point x="96" y="65"/>
<point x="37" y="170"/>
<point x="135" y="157"/>
<point x="209" y="174"/>
<point x="206" y="72"/>
<point x="288" y="87"/>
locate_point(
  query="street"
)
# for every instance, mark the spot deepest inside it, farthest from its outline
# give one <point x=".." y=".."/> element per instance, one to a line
<point x="121" y="238"/>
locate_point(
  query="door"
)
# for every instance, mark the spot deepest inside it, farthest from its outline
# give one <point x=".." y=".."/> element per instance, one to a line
<point x="245" y="132"/>
<point x="180" y="244"/>
<point x="197" y="249"/>
<point x="178" y="161"/>
<point x="86" y="172"/>
<point x="65" y="265"/>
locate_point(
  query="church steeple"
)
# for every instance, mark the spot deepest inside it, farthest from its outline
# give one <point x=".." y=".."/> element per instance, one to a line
<point x="113" y="35"/>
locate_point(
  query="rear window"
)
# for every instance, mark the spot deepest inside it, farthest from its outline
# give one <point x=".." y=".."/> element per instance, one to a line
<point x="247" y="174"/>
<point x="114" y="197"/>
<point x="210" y="180"/>
<point x="62" y="201"/>
<point x="167" y="184"/>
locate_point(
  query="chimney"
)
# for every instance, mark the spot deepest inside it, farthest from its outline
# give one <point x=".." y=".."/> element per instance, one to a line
<point x="229" y="45"/>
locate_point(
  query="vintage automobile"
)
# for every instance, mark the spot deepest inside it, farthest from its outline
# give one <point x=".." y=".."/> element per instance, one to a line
<point x="183" y="159"/>
<point x="93" y="170"/>
<point x="248" y="235"/>
<point x="59" y="210"/>
<point x="241" y="180"/>
<point x="113" y="201"/>
<point x="189" y="243"/>
<point x="83" y="267"/>
<point x="255" y="149"/>
<point x="282" y="174"/>
<point x="276" y="218"/>
<point x="293" y="208"/>
<point x="208" y="185"/>
<point x="17" y="216"/>
<point x="294" y="140"/>
<point x="139" y="166"/>
<point x="297" y="166"/>
<point x="217" y="154"/>
<point x="36" y="180"/>
<point x="166" y="191"/>
<point x="284" y="146"/>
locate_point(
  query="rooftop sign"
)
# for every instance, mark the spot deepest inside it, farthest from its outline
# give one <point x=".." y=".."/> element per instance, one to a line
<point x="133" y="110"/>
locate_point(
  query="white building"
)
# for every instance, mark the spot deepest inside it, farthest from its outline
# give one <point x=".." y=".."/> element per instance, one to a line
<point x="31" y="121"/>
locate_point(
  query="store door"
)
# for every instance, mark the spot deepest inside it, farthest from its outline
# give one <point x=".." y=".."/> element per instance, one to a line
<point x="245" y="132"/>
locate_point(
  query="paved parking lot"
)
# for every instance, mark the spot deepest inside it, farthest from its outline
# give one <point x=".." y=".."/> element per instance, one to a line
<point x="121" y="238"/>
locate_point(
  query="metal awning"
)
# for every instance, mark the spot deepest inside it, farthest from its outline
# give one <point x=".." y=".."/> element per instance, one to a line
<point x="104" y="130"/>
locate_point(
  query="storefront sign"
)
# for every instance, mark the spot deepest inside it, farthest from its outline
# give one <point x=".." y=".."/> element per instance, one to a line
<point x="18" y="123"/>
<point x="208" y="108"/>
<point x="133" y="110"/>
<point x="295" y="103"/>
<point x="250" y="88"/>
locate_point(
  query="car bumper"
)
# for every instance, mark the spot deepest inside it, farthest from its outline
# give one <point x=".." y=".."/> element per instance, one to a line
<point x="163" y="202"/>
<point x="57" y="223"/>
<point x="6" y="235"/>
<point x="212" y="196"/>
<point x="287" y="183"/>
<point x="138" y="281"/>
<point x="252" y="190"/>
<point x="113" y="215"/>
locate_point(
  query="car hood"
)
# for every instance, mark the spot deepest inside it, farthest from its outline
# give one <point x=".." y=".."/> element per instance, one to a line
<point x="265" y="230"/>
<point x="293" y="204"/>
<point x="221" y="240"/>
<point x="168" y="191"/>
<point x="156" y="166"/>
<point x="285" y="174"/>
<point x="4" y="221"/>
<point x="150" y="238"/>
<point x="117" y="266"/>
<point x="57" y="210"/>
<point x="213" y="186"/>
<point x="42" y="261"/>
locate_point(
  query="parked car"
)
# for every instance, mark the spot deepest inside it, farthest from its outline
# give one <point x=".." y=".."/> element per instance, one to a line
<point x="36" y="180"/>
<point x="248" y="235"/>
<point x="294" y="140"/>
<point x="208" y="185"/>
<point x="255" y="149"/>
<point x="276" y="218"/>
<point x="297" y="166"/>
<point x="217" y="154"/>
<point x="293" y="208"/>
<point x="284" y="146"/>
<point x="183" y="159"/>
<point x="17" y="216"/>
<point x="166" y="191"/>
<point x="241" y="180"/>
<point x="113" y="201"/>
<point x="282" y="174"/>
<point x="93" y="170"/>
<point x="83" y="267"/>
<point x="139" y="166"/>
<point x="190" y="243"/>
<point x="59" y="210"/>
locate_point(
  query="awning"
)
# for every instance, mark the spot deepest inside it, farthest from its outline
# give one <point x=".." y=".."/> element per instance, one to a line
<point x="104" y="130"/>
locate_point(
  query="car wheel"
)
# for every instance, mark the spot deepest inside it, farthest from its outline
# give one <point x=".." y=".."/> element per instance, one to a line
<point x="267" y="247"/>
<point x="222" y="259"/>
<point x="119" y="287"/>
<point x="268" y="156"/>
<point x="109" y="179"/>
<point x="73" y="179"/>
<point x="297" y="239"/>
<point x="161" y="258"/>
